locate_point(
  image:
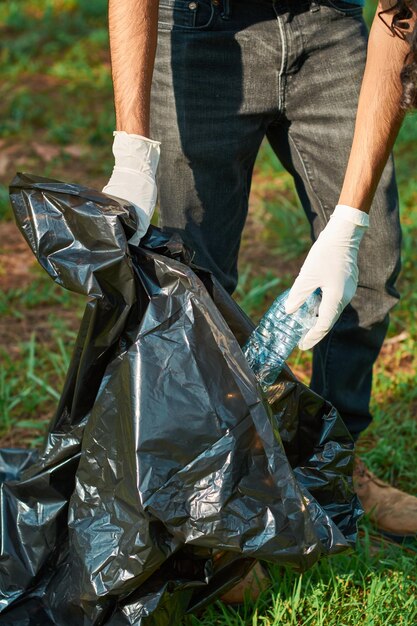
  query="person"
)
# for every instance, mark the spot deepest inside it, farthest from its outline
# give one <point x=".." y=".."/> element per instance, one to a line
<point x="209" y="79"/>
<point x="389" y="88"/>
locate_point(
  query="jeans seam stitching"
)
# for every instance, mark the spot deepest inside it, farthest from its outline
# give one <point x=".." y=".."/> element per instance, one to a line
<point x="309" y="176"/>
<point x="282" y="69"/>
<point x="327" y="356"/>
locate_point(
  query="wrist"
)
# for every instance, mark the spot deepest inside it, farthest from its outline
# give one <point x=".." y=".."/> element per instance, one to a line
<point x="359" y="186"/>
<point x="136" y="152"/>
<point x="350" y="214"/>
<point x="134" y="137"/>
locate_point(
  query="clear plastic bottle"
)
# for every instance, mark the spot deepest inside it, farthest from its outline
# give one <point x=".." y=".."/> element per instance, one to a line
<point x="276" y="336"/>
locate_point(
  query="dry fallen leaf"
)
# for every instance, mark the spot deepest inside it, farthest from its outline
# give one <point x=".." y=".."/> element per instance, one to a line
<point x="75" y="150"/>
<point x="4" y="163"/>
<point x="46" y="151"/>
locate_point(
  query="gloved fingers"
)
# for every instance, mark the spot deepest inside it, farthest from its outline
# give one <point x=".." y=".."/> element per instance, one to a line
<point x="300" y="291"/>
<point x="137" y="235"/>
<point x="146" y="201"/>
<point x="327" y="317"/>
<point x="136" y="188"/>
<point x="143" y="221"/>
<point x="131" y="176"/>
<point x="143" y="213"/>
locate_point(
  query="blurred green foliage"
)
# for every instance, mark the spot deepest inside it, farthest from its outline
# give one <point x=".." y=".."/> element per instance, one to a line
<point x="55" y="68"/>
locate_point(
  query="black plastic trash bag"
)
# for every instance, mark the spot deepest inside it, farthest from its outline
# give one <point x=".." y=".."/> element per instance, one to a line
<point x="165" y="471"/>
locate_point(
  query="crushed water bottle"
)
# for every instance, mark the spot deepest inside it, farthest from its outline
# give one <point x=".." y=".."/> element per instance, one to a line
<point x="276" y="336"/>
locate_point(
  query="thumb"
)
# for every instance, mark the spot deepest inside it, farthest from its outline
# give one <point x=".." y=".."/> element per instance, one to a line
<point x="298" y="294"/>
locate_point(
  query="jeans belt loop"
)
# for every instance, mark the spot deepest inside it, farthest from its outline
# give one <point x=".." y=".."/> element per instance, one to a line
<point x="225" y="14"/>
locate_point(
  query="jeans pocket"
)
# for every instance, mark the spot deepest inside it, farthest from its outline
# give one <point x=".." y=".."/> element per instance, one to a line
<point x="186" y="15"/>
<point x="348" y="9"/>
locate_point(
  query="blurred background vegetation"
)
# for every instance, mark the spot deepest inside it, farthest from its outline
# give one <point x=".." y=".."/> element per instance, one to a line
<point x="57" y="120"/>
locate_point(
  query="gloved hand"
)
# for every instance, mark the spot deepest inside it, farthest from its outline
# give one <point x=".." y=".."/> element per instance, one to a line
<point x="133" y="177"/>
<point x="331" y="265"/>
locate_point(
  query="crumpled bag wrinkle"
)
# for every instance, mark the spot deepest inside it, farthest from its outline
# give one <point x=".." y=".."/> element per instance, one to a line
<point x="166" y="470"/>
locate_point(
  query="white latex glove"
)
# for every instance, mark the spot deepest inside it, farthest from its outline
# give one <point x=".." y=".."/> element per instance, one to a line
<point x="331" y="265"/>
<point x="133" y="178"/>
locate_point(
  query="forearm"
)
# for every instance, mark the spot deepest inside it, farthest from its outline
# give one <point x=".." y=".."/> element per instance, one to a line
<point x="379" y="114"/>
<point x="133" y="37"/>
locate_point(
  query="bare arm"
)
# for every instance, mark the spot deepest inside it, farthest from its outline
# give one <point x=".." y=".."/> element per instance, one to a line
<point x="379" y="116"/>
<point x="133" y="35"/>
<point x="332" y="263"/>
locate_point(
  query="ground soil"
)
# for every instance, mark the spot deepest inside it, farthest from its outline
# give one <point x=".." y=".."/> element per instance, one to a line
<point x="16" y="272"/>
<point x="16" y="258"/>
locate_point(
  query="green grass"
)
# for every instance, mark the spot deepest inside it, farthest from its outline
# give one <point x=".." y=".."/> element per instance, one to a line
<point x="5" y="209"/>
<point x="370" y="589"/>
<point x="40" y="292"/>
<point x="30" y="386"/>
<point x="33" y="368"/>
<point x="251" y="298"/>
<point x="56" y="91"/>
<point x="58" y="53"/>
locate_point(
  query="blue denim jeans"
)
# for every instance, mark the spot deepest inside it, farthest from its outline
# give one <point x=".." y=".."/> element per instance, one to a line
<point x="229" y="73"/>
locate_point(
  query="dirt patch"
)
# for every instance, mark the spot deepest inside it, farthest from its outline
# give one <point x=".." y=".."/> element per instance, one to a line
<point x="395" y="359"/>
<point x="16" y="258"/>
<point x="17" y="263"/>
<point x="73" y="163"/>
<point x="15" y="330"/>
<point x="25" y="437"/>
<point x="41" y="82"/>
